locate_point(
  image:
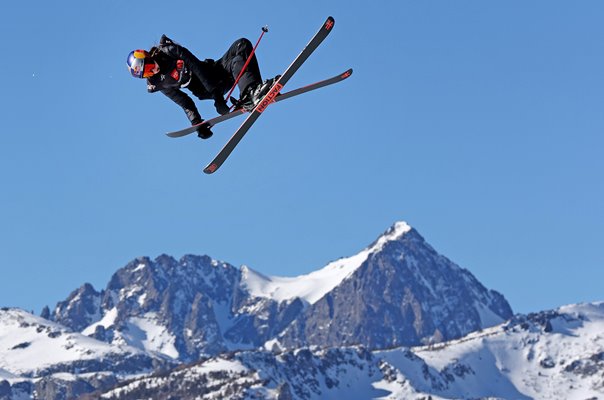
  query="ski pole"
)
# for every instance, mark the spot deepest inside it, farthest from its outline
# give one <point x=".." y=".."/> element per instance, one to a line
<point x="264" y="30"/>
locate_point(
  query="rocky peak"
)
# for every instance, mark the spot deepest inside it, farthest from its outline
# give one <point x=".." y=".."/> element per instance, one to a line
<point x="402" y="293"/>
<point x="80" y="309"/>
<point x="394" y="233"/>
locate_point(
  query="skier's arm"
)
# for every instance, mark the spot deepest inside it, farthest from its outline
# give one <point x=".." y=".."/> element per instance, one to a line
<point x="185" y="102"/>
<point x="201" y="69"/>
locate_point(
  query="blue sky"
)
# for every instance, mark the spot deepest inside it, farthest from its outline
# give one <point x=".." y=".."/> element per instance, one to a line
<point x="479" y="123"/>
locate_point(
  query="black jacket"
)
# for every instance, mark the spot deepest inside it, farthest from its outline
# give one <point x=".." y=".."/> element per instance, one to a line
<point x="179" y="68"/>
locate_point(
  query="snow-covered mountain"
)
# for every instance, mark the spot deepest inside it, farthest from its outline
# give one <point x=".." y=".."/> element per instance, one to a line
<point x="36" y="353"/>
<point x="337" y="332"/>
<point x="550" y="355"/>
<point x="398" y="291"/>
<point x="163" y="306"/>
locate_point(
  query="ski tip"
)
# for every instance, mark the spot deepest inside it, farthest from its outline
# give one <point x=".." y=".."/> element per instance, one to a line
<point x="210" y="169"/>
<point x="346" y="74"/>
<point x="177" y="134"/>
<point x="329" y="23"/>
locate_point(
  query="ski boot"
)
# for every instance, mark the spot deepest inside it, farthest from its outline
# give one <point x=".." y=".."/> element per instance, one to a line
<point x="254" y="93"/>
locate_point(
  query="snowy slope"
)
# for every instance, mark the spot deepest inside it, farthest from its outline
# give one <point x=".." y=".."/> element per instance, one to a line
<point x="31" y="345"/>
<point x="148" y="333"/>
<point x="145" y="333"/>
<point x="5" y="375"/>
<point x="314" y="286"/>
<point x="550" y="355"/>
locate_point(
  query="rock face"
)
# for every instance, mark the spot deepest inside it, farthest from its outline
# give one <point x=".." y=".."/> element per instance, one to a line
<point x="180" y="309"/>
<point x="80" y="309"/>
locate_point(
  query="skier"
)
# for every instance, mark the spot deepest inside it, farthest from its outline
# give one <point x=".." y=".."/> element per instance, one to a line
<point x="169" y="67"/>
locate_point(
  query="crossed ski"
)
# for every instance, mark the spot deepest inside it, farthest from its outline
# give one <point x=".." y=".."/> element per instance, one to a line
<point x="274" y="95"/>
<point x="282" y="96"/>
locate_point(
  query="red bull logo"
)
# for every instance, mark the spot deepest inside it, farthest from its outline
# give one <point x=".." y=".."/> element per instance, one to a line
<point x="269" y="98"/>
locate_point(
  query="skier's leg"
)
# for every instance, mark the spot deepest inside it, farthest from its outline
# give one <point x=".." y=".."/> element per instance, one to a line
<point x="234" y="60"/>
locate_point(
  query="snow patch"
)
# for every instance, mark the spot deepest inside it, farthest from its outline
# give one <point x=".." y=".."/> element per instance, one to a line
<point x="147" y="333"/>
<point x="29" y="344"/>
<point x="487" y="317"/>
<point x="394" y="233"/>
<point x="312" y="287"/>
<point x="139" y="267"/>
<point x="107" y="320"/>
<point x="219" y="364"/>
<point x="141" y="299"/>
<point x="8" y="376"/>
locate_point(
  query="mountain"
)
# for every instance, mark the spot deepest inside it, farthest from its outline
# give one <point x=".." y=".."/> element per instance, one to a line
<point x="398" y="291"/>
<point x="178" y="309"/>
<point x="158" y="314"/>
<point x="556" y="354"/>
<point x="33" y="349"/>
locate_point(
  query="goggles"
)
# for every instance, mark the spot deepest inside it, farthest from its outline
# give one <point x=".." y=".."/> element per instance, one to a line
<point x="149" y="68"/>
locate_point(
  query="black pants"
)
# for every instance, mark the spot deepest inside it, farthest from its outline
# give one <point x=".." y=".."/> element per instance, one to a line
<point x="233" y="61"/>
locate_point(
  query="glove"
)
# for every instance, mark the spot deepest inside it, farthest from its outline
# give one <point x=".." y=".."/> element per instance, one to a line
<point x="221" y="105"/>
<point x="204" y="131"/>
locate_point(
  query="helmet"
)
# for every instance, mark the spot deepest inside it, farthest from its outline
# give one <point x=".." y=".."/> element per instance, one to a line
<point x="140" y="64"/>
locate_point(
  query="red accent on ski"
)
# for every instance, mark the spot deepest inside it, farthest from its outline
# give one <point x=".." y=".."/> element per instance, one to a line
<point x="329" y="24"/>
<point x="212" y="168"/>
<point x="270" y="97"/>
<point x="346" y="74"/>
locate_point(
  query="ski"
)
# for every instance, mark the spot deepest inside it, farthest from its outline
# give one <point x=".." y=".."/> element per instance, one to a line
<point x="270" y="96"/>
<point x="280" y="97"/>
